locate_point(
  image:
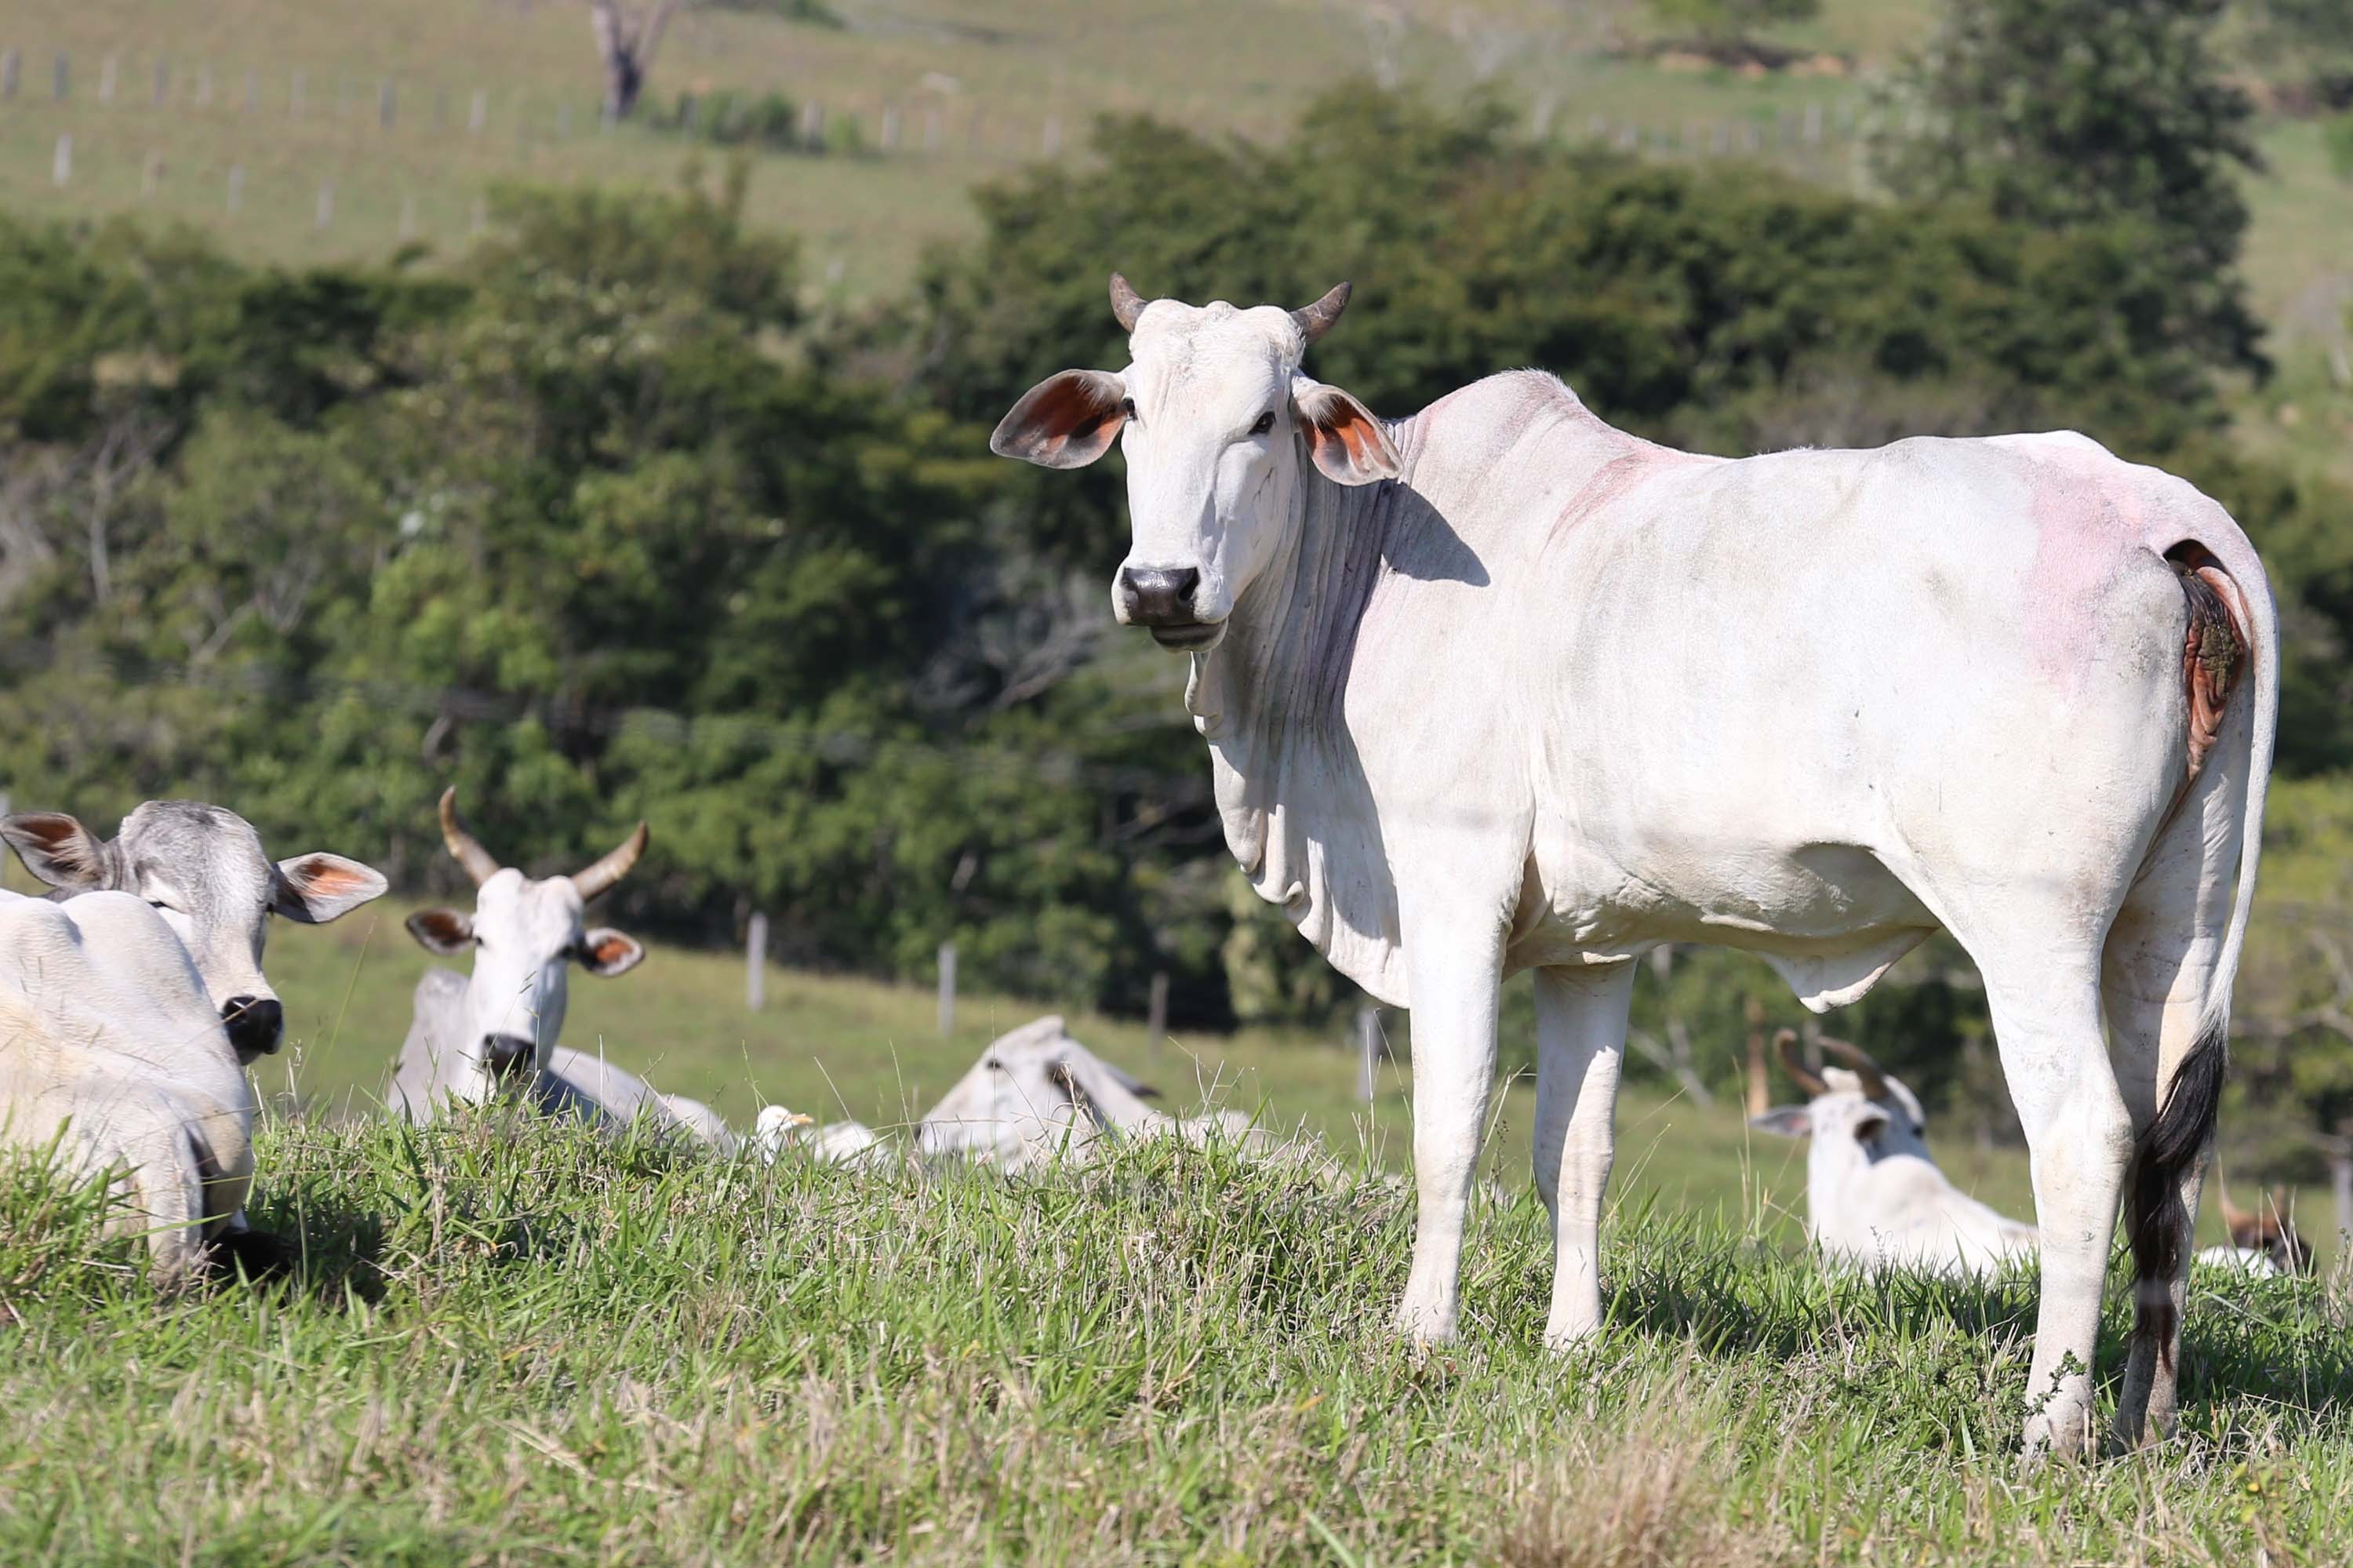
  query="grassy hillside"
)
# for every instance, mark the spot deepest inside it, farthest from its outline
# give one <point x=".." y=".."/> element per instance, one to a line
<point x="513" y="1345"/>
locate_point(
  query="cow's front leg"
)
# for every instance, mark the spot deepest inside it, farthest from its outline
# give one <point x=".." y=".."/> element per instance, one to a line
<point x="1455" y="966"/>
<point x="1580" y="1047"/>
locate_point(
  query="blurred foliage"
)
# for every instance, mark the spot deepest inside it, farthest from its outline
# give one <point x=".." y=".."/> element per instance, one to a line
<point x="2072" y="114"/>
<point x="603" y="525"/>
<point x="1731" y="21"/>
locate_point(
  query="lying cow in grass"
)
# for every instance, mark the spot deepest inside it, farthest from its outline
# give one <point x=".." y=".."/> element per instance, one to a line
<point x="113" y="1059"/>
<point x="474" y="1040"/>
<point x="1498" y="687"/>
<point x="204" y="876"/>
<point x="1874" y="1198"/>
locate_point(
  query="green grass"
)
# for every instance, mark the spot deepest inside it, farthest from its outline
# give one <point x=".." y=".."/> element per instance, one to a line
<point x="514" y="1344"/>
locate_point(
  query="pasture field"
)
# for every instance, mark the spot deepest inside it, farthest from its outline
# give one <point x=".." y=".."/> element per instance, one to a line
<point x="513" y="1344"/>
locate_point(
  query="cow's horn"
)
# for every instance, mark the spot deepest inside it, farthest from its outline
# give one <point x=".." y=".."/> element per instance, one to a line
<point x="1317" y="319"/>
<point x="1125" y="303"/>
<point x="1805" y="1077"/>
<point x="1873" y="1076"/>
<point x="614" y="866"/>
<point x="468" y="850"/>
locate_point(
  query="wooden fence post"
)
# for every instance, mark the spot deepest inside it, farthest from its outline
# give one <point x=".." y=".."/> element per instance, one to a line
<point x="107" y="70"/>
<point x="61" y="165"/>
<point x="947" y="989"/>
<point x="408" y="217"/>
<point x="756" y="962"/>
<point x="1760" y="1086"/>
<point x="326" y="213"/>
<point x="813" y="126"/>
<point x="478" y="112"/>
<point x="151" y="174"/>
<point x="60" y="78"/>
<point x="1050" y="143"/>
<point x="1368" y="1051"/>
<point x="163" y="91"/>
<point x="252" y="90"/>
<point x="236" y="188"/>
<point x="1155" y="1023"/>
<point x="12" y="66"/>
<point x="386" y="104"/>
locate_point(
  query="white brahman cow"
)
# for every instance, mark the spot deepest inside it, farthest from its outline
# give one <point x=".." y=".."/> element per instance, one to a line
<point x="1874" y="1198"/>
<point x="113" y="1059"/>
<point x="1499" y="687"/>
<point x="474" y="1040"/>
<point x="203" y="869"/>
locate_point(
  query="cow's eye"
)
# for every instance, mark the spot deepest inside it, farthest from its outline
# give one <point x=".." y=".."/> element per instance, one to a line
<point x="1265" y="423"/>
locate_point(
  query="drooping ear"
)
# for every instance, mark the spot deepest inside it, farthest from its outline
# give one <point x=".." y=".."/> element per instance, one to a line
<point x="1065" y="421"/>
<point x="444" y="932"/>
<point x="1347" y="443"/>
<point x="1868" y="1129"/>
<point x="62" y="852"/>
<point x="605" y="952"/>
<point x="317" y="888"/>
<point x="1785" y="1121"/>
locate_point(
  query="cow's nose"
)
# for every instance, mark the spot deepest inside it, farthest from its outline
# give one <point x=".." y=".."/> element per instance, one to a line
<point x="1159" y="596"/>
<point x="256" y="1023"/>
<point x="508" y="1055"/>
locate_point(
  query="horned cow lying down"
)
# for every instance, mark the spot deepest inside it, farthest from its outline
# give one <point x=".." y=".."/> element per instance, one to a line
<point x="1873" y="1196"/>
<point x="111" y="1053"/>
<point x="1036" y="1097"/>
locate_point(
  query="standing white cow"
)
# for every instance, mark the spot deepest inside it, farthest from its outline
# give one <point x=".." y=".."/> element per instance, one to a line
<point x="1499" y="687"/>
<point x="1874" y="1198"/>
<point x="473" y="1040"/>
<point x="112" y="1056"/>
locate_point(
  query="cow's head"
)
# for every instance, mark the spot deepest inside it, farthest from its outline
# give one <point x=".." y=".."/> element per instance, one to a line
<point x="525" y="935"/>
<point x="1859" y="1108"/>
<point x="1219" y="425"/>
<point x="204" y="869"/>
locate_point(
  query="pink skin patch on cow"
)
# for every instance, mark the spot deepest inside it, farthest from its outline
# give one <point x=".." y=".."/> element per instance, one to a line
<point x="2087" y="524"/>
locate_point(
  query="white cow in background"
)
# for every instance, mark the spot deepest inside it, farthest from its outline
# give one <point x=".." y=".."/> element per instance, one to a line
<point x="472" y="1041"/>
<point x="1498" y="687"/>
<point x="1874" y="1198"/>
<point x="112" y="1055"/>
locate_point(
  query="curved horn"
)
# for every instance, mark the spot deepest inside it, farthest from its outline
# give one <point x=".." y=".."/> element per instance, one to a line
<point x="464" y="847"/>
<point x="1873" y="1076"/>
<point x="1805" y="1076"/>
<point x="1317" y="319"/>
<point x="1126" y="305"/>
<point x="614" y="866"/>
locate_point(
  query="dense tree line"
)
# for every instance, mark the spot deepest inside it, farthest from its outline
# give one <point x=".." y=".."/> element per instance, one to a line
<point x="595" y="521"/>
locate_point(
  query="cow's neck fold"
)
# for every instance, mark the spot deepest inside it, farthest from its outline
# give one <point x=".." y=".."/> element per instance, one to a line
<point x="1268" y="699"/>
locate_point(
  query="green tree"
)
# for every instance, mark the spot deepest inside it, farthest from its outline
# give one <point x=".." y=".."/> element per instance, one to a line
<point x="1721" y="22"/>
<point x="2070" y="114"/>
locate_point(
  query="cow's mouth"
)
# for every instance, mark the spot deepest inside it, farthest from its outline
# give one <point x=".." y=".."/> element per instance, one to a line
<point x="1197" y="638"/>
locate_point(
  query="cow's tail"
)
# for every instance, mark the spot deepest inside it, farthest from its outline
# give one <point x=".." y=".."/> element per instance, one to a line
<point x="2177" y="1139"/>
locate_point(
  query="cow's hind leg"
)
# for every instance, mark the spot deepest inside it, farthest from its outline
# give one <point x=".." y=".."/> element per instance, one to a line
<point x="1580" y="1048"/>
<point x="2159" y="976"/>
<point x="2045" y="1003"/>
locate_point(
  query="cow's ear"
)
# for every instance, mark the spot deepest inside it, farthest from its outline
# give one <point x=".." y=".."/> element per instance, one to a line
<point x="1868" y="1129"/>
<point x="1065" y="421"/>
<point x="443" y="932"/>
<point x="316" y="888"/>
<point x="62" y="852"/>
<point x="1349" y="444"/>
<point x="605" y="952"/>
<point x="1785" y="1121"/>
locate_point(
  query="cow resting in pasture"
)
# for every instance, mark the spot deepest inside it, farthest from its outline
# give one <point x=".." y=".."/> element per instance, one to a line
<point x="1498" y="687"/>
<point x="1874" y="1199"/>
<point x="474" y="1040"/>
<point x="113" y="1058"/>
<point x="203" y="869"/>
<point x="2262" y="1243"/>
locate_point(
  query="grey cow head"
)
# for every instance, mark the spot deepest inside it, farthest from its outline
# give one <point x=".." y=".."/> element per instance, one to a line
<point x="1217" y="424"/>
<point x="204" y="870"/>
<point x="525" y="934"/>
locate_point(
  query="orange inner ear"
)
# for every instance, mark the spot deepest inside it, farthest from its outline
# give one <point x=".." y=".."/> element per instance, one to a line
<point x="1073" y="412"/>
<point x="326" y="876"/>
<point x="611" y="950"/>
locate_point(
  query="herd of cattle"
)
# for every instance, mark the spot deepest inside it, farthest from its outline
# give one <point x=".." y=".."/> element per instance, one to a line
<point x="1493" y="687"/>
<point x="133" y="1000"/>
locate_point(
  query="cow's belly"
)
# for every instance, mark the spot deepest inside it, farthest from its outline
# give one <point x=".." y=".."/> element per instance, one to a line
<point x="1829" y="918"/>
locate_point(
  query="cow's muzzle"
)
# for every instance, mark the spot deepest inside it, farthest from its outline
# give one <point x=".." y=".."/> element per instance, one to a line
<point x="1160" y="598"/>
<point x="255" y="1024"/>
<point x="510" y="1056"/>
